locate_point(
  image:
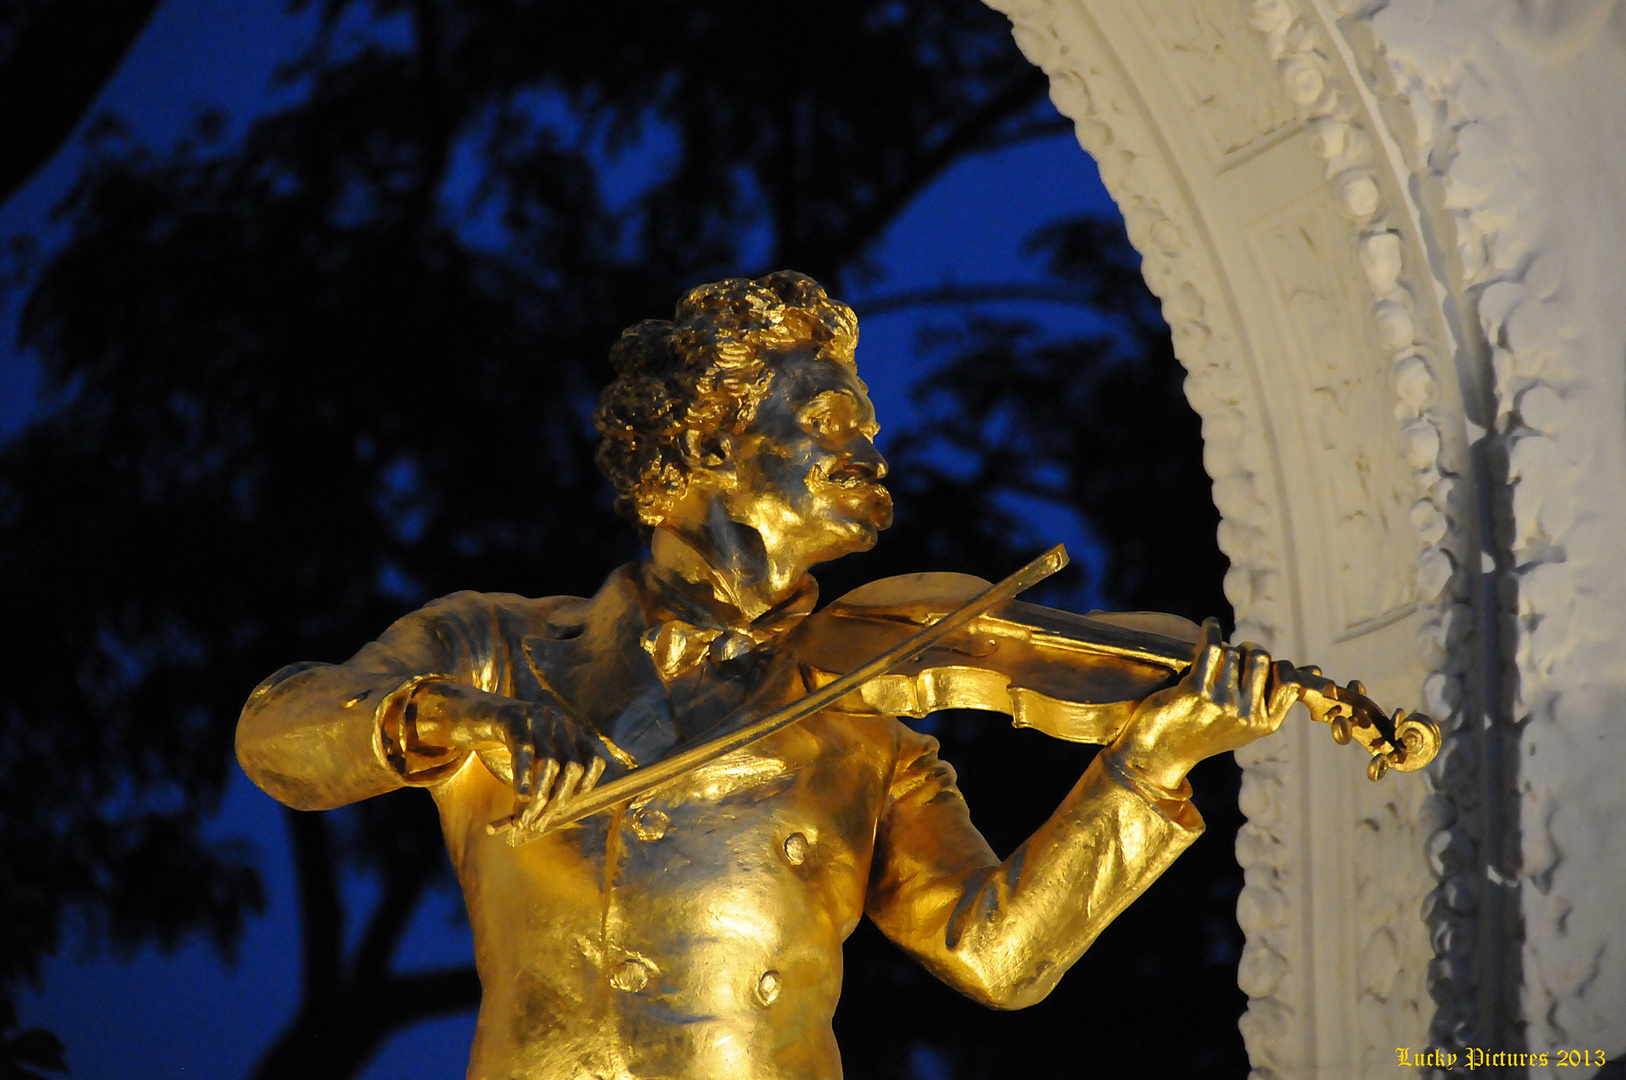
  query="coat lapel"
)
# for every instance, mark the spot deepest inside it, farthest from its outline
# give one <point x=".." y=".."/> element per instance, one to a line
<point x="594" y="662"/>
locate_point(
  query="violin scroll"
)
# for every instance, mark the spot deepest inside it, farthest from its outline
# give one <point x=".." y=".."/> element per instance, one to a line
<point x="1402" y="742"/>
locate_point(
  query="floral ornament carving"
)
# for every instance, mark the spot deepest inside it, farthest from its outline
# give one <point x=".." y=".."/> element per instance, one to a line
<point x="1483" y="183"/>
<point x="1312" y="63"/>
<point x="1317" y="77"/>
<point x="1109" y="125"/>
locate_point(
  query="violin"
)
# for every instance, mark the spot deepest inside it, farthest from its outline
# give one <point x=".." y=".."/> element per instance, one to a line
<point x="1073" y="677"/>
<point x="916" y="643"/>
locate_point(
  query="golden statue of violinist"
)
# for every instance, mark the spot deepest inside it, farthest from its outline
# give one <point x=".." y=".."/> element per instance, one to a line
<point x="684" y="920"/>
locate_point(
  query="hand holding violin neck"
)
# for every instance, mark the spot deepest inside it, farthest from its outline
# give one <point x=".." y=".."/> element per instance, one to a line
<point x="1225" y="700"/>
<point x="1405" y="743"/>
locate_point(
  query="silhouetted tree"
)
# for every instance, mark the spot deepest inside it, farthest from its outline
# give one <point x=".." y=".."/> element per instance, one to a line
<point x="305" y="382"/>
<point x="55" y="57"/>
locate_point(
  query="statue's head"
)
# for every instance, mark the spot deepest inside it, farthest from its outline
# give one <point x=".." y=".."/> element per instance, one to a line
<point x="747" y="403"/>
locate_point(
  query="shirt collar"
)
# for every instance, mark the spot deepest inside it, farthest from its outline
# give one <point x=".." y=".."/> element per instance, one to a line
<point x="685" y="585"/>
<point x="694" y="611"/>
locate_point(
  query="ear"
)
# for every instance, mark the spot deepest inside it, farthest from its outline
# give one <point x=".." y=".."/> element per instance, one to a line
<point x="710" y="452"/>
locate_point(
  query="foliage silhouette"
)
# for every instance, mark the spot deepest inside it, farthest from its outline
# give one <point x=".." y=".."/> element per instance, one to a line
<point x="307" y="381"/>
<point x="22" y="1055"/>
<point x="55" y="57"/>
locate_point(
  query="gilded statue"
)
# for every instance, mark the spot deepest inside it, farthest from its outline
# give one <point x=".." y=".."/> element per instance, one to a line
<point x="688" y="924"/>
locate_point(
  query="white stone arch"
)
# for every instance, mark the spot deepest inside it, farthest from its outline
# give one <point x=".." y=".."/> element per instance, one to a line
<point x="1409" y="403"/>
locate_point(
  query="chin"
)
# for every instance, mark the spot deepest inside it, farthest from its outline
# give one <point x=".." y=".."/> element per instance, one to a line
<point x="873" y="510"/>
<point x="865" y="531"/>
<point x="853" y="521"/>
<point x="846" y="536"/>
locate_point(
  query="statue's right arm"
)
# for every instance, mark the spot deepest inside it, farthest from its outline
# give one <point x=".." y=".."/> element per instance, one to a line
<point x="317" y="736"/>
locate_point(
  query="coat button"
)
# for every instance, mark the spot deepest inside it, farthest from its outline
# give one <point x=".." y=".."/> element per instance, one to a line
<point x="796" y="849"/>
<point x="650" y="824"/>
<point x="768" y="987"/>
<point x="630" y="975"/>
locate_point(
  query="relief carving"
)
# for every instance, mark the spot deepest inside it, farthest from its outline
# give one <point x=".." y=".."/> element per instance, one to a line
<point x="1410" y="506"/>
<point x="1227" y="76"/>
<point x="1353" y="447"/>
<point x="1390" y="937"/>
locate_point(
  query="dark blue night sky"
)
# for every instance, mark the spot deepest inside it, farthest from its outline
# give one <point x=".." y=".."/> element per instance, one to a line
<point x="186" y="1014"/>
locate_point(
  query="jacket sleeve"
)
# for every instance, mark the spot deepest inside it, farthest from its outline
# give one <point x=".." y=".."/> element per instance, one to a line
<point x="1004" y="933"/>
<point x="317" y="736"/>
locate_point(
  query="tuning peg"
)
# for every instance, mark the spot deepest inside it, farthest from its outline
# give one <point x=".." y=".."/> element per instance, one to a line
<point x="1311" y="669"/>
<point x="1340" y="730"/>
<point x="1377" y="767"/>
<point x="1356" y="687"/>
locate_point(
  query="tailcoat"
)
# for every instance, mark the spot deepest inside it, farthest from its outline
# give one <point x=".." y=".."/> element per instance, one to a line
<point x="696" y="934"/>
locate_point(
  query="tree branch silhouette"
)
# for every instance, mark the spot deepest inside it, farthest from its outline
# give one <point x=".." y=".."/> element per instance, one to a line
<point x="315" y="377"/>
<point x="59" y="55"/>
<point x="960" y="296"/>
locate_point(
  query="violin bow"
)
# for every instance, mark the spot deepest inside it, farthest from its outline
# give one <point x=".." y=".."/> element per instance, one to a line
<point x="1402" y="742"/>
<point x="635" y="783"/>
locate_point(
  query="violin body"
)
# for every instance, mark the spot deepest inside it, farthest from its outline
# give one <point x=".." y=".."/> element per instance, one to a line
<point x="1073" y="677"/>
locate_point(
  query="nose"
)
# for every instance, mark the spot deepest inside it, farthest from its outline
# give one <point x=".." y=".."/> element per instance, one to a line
<point x="863" y="458"/>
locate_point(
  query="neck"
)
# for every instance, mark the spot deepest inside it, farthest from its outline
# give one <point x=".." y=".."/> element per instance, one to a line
<point x="730" y="560"/>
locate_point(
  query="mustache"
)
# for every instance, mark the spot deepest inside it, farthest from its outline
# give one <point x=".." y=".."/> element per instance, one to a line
<point x="850" y="478"/>
<point x="859" y="484"/>
<point x="879" y="499"/>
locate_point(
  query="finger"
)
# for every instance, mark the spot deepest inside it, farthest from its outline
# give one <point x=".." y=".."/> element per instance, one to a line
<point x="544" y="783"/>
<point x="1283" y="696"/>
<point x="1205" y="662"/>
<point x="1287" y="688"/>
<point x="594" y="771"/>
<point x="569" y="779"/>
<point x="1226" y="689"/>
<point x="1255" y="677"/>
<point x="538" y="805"/>
<point x="1210" y="633"/>
<point x="524" y="769"/>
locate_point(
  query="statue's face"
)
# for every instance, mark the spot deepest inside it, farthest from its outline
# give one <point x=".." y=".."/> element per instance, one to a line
<point x="805" y="474"/>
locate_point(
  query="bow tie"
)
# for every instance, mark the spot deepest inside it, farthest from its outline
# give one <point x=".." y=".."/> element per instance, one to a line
<point x="694" y="633"/>
<point x="676" y="646"/>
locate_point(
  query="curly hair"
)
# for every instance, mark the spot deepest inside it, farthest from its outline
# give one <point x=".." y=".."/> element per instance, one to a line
<point x="684" y="388"/>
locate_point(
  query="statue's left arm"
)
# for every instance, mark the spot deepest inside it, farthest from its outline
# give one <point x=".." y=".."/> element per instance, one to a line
<point x="1004" y="932"/>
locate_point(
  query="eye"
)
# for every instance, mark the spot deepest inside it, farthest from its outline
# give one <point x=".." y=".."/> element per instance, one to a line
<point x="835" y="416"/>
<point x="820" y="418"/>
